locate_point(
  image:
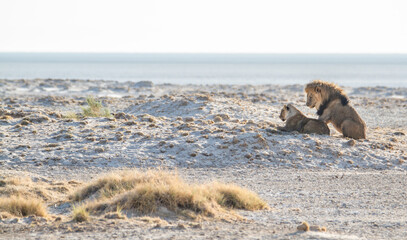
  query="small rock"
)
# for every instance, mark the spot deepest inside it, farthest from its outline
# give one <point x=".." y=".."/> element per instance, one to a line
<point x="22" y="146"/>
<point x="14" y="220"/>
<point x="148" y="118"/>
<point x="83" y="122"/>
<point x="103" y="141"/>
<point x="303" y="227"/>
<point x="351" y="142"/>
<point x="6" y="117"/>
<point x="51" y="145"/>
<point x="64" y="136"/>
<point x="197" y="226"/>
<point x="217" y="119"/>
<point x="115" y="216"/>
<point x="399" y="134"/>
<point x="130" y="123"/>
<point x="99" y="149"/>
<point x="92" y="139"/>
<point x="24" y="122"/>
<point x="157" y="226"/>
<point x="223" y="116"/>
<point x="316" y="228"/>
<point x="34" y="219"/>
<point x="181" y="226"/>
<point x="120" y="115"/>
<point x="184" y="133"/>
<point x="189" y="119"/>
<point x="204" y="97"/>
<point x="110" y="126"/>
<point x="37" y="118"/>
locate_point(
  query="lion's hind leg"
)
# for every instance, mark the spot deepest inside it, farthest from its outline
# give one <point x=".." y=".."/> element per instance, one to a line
<point x="316" y="126"/>
<point x="353" y="129"/>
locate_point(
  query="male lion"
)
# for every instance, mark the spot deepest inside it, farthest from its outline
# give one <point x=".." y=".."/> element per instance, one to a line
<point x="333" y="107"/>
<point x="296" y="121"/>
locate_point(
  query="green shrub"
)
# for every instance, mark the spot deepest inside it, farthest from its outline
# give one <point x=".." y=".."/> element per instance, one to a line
<point x="95" y="109"/>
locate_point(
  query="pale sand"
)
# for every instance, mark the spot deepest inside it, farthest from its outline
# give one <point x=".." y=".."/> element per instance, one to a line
<point x="354" y="188"/>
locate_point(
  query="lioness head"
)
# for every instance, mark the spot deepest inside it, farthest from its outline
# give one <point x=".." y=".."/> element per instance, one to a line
<point x="288" y="111"/>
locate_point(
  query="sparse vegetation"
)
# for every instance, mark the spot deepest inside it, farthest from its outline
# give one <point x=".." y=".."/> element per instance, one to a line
<point x="119" y="212"/>
<point x="21" y="197"/>
<point x="233" y="196"/>
<point x="21" y="207"/>
<point x="80" y="214"/>
<point x="24" y="188"/>
<point x="95" y="109"/>
<point x="151" y="191"/>
<point x="107" y="186"/>
<point x="71" y="115"/>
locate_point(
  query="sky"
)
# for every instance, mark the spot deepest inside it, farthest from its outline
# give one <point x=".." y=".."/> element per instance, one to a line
<point x="204" y="26"/>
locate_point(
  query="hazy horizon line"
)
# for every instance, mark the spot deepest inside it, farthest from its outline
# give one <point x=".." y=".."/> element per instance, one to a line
<point x="203" y="53"/>
<point x="262" y="58"/>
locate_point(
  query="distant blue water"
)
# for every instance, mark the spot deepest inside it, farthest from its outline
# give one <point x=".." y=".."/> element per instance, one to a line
<point x="345" y="69"/>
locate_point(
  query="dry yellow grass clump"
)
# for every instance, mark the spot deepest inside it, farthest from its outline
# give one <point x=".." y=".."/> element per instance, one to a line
<point x="22" y="187"/>
<point x="80" y="214"/>
<point x="21" y="207"/>
<point x="20" y="196"/>
<point x="43" y="189"/>
<point x="153" y="191"/>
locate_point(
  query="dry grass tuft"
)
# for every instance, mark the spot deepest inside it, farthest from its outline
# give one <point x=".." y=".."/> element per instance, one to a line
<point x="24" y="187"/>
<point x="80" y="213"/>
<point x="71" y="115"/>
<point x="95" y="109"/>
<point x="233" y="196"/>
<point x="162" y="191"/>
<point x="21" y="207"/>
<point x="110" y="185"/>
<point x="21" y="196"/>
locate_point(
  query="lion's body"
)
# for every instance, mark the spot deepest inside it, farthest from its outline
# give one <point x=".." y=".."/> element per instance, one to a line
<point x="296" y="121"/>
<point x="333" y="107"/>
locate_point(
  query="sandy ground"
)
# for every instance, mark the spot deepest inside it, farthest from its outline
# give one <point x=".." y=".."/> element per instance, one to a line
<point x="356" y="189"/>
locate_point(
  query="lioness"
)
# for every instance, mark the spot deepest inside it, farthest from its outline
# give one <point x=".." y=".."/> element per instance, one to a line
<point x="296" y="121"/>
<point x="333" y="107"/>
